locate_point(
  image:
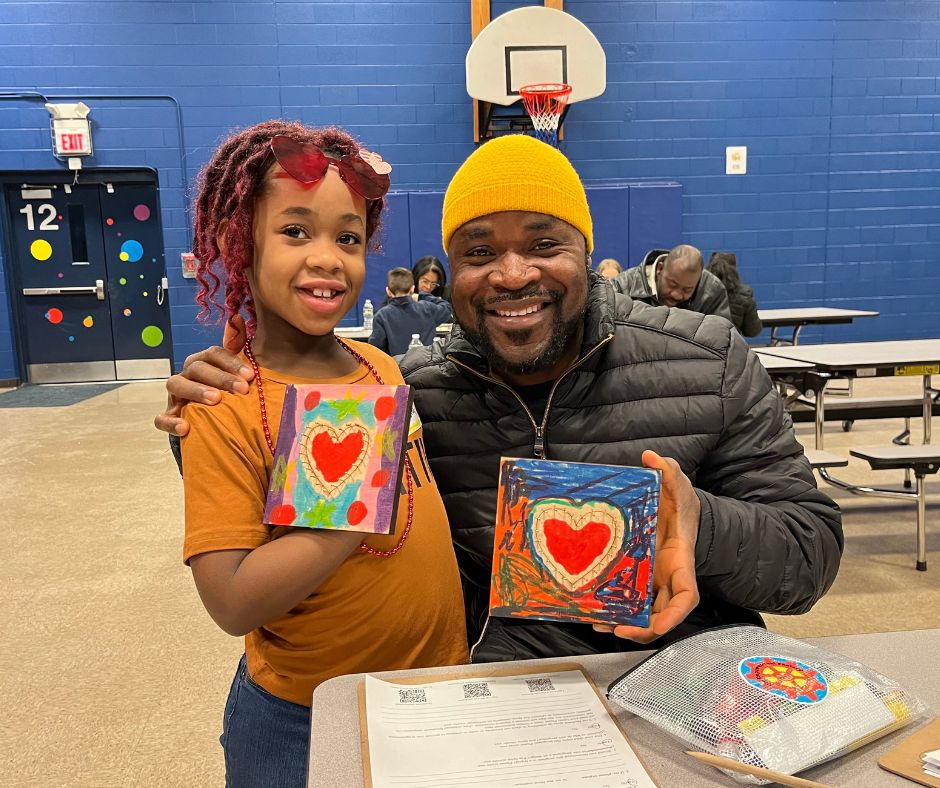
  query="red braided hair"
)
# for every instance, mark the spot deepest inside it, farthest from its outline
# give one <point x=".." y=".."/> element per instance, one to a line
<point x="229" y="185"/>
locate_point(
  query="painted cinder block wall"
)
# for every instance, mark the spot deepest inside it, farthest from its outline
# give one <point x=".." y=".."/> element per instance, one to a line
<point x="838" y="104"/>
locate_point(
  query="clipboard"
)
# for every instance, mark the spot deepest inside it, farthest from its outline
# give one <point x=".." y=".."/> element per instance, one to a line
<point x="485" y="671"/>
<point x="904" y="759"/>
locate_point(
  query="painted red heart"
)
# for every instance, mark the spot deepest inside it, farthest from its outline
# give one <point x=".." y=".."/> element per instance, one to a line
<point x="574" y="549"/>
<point x="333" y="459"/>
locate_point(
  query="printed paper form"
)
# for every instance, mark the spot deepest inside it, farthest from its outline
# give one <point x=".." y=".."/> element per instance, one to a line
<point x="539" y="729"/>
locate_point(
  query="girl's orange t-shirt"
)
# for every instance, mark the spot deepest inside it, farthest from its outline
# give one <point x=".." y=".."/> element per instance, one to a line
<point x="373" y="613"/>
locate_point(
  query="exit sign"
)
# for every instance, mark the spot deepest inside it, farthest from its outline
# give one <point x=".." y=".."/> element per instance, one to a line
<point x="72" y="137"/>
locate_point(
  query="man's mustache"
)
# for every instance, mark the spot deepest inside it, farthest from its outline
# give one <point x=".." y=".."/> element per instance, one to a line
<point x="552" y="296"/>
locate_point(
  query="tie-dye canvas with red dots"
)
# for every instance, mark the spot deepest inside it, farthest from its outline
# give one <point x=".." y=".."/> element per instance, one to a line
<point x="574" y="542"/>
<point x="339" y="456"/>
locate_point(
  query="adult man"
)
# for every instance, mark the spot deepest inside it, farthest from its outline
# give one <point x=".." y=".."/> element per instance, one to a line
<point x="548" y="361"/>
<point x="675" y="278"/>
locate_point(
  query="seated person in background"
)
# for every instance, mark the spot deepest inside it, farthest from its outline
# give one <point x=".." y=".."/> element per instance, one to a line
<point x="744" y="315"/>
<point x="676" y="278"/>
<point x="609" y="268"/>
<point x="407" y="313"/>
<point x="429" y="276"/>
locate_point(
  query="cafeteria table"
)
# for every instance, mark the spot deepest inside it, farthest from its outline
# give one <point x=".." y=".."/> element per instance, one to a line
<point x="895" y="358"/>
<point x="362" y="333"/>
<point x="799" y="317"/>
<point x="907" y="657"/>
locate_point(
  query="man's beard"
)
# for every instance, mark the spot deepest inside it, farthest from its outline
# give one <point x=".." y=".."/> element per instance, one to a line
<point x="562" y="332"/>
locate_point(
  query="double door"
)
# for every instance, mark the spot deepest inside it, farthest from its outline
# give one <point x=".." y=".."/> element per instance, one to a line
<point x="89" y="280"/>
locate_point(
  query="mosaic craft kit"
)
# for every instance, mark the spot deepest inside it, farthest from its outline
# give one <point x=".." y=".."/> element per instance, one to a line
<point x="764" y="699"/>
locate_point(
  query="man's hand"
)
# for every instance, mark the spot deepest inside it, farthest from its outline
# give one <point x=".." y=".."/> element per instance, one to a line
<point x="674" y="586"/>
<point x="203" y="375"/>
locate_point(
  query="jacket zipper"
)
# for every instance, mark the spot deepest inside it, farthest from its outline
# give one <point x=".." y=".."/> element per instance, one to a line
<point x="540" y="430"/>
<point x="539" y="445"/>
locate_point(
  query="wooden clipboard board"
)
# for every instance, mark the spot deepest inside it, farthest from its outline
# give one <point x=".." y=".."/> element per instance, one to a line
<point x="486" y="671"/>
<point x="904" y="759"/>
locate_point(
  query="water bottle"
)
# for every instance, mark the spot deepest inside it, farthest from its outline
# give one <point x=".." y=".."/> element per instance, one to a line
<point x="415" y="341"/>
<point x="367" y="313"/>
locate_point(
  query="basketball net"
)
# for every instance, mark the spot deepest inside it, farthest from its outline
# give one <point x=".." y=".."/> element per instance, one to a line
<point x="545" y="104"/>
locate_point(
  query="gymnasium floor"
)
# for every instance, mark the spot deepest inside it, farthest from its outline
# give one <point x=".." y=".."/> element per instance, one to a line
<point x="113" y="675"/>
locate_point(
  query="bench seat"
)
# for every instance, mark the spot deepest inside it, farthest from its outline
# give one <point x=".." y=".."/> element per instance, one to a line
<point x="824" y="459"/>
<point x="922" y="459"/>
<point x="854" y="408"/>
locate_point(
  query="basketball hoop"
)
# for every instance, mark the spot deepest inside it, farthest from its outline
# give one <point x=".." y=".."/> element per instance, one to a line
<point x="545" y="104"/>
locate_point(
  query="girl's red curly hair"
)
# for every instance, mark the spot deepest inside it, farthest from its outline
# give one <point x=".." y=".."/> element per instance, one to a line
<point x="229" y="185"/>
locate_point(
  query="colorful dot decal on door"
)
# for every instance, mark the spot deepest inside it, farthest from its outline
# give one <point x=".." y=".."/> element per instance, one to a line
<point x="127" y="312"/>
<point x="88" y="322"/>
<point x="109" y="221"/>
<point x="61" y="275"/>
<point x="122" y="280"/>
<point x="141" y="212"/>
<point x="152" y="336"/>
<point x="54" y="316"/>
<point x="131" y="251"/>
<point x="71" y="339"/>
<point x="40" y="249"/>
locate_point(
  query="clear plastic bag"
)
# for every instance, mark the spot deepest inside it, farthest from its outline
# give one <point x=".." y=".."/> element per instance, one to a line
<point x="764" y="699"/>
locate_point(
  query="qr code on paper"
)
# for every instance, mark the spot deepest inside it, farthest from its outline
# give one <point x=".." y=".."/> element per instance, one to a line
<point x="540" y="685"/>
<point x="416" y="695"/>
<point x="478" y="690"/>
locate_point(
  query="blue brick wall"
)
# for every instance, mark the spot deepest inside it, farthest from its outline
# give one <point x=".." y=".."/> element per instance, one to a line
<point x="838" y="103"/>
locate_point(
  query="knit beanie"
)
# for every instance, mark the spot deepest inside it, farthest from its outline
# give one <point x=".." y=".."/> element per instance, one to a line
<point x="516" y="173"/>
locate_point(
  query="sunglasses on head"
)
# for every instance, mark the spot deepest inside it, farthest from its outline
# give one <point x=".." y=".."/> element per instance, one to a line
<point x="364" y="172"/>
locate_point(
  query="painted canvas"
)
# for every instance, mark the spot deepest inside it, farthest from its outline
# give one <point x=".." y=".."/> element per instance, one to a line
<point x="339" y="456"/>
<point x="574" y="542"/>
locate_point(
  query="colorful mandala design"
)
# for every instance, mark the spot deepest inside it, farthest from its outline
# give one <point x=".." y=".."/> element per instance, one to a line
<point x="785" y="678"/>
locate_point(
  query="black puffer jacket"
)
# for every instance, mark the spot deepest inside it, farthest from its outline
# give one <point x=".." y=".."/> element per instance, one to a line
<point x="709" y="298"/>
<point x="670" y="380"/>
<point x="744" y="311"/>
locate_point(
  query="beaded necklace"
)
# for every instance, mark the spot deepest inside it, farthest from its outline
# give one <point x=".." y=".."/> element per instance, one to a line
<point x="267" y="436"/>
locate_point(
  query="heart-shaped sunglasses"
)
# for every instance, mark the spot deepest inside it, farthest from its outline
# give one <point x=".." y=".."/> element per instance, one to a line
<point x="364" y="172"/>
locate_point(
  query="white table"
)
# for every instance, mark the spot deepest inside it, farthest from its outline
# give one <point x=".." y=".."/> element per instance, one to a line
<point x="777" y="365"/>
<point x="907" y="657"/>
<point x="806" y="316"/>
<point x="362" y="333"/>
<point x="865" y="360"/>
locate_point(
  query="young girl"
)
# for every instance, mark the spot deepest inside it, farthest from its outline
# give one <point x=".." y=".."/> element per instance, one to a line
<point x="283" y="218"/>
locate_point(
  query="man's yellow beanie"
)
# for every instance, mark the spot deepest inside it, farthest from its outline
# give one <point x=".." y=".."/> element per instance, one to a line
<point x="516" y="173"/>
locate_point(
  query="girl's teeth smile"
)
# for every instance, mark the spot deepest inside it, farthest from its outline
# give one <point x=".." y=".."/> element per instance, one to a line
<point x="318" y="293"/>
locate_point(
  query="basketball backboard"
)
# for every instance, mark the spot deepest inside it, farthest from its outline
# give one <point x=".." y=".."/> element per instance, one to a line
<point x="535" y="44"/>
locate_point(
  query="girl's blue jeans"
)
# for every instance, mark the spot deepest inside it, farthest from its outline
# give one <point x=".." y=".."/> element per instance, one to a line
<point x="265" y="739"/>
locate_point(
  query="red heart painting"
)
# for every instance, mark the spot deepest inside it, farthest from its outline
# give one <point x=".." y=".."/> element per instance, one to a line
<point x="334" y="459"/>
<point x="334" y="456"/>
<point x="576" y="550"/>
<point x="575" y="541"/>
